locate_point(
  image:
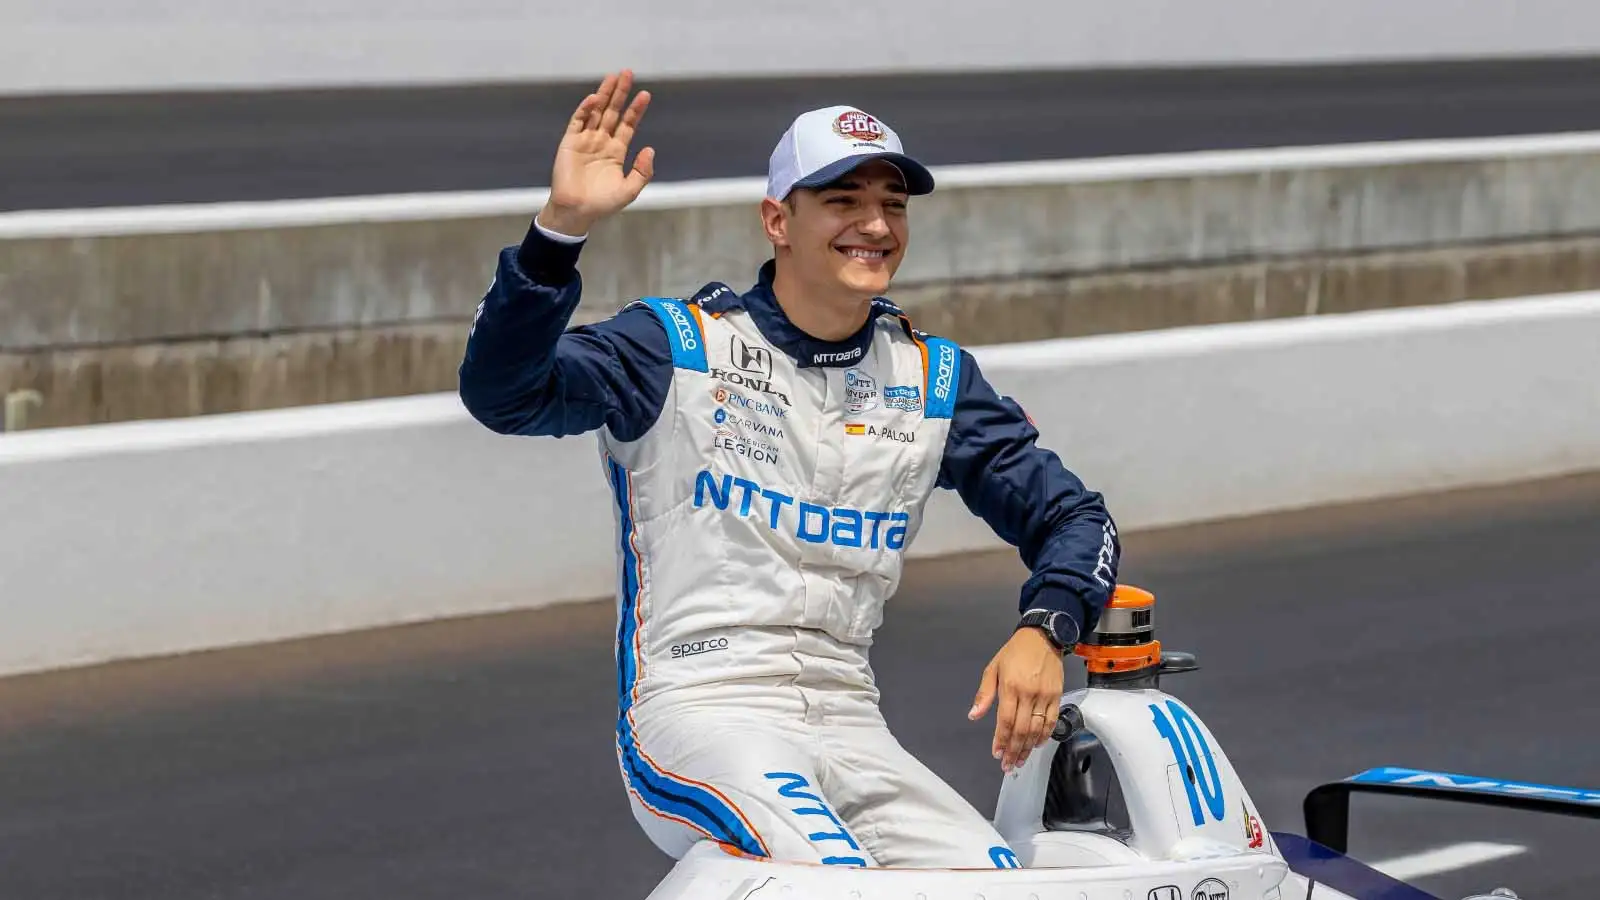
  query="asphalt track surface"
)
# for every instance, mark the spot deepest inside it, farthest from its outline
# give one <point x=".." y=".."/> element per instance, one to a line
<point x="116" y="150"/>
<point x="475" y="758"/>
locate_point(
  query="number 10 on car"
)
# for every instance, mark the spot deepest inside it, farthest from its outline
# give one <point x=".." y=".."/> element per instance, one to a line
<point x="1199" y="770"/>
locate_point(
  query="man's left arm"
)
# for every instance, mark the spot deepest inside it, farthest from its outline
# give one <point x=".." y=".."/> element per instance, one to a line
<point x="1064" y="535"/>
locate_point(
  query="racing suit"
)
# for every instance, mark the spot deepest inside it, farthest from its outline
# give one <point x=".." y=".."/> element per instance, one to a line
<point x="766" y="485"/>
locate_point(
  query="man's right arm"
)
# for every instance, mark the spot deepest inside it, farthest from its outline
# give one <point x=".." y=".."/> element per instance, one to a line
<point x="524" y="373"/>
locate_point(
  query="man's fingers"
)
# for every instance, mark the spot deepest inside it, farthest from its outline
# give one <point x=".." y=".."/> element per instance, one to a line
<point x="591" y="112"/>
<point x="1044" y="722"/>
<point x="608" y="84"/>
<point x="580" y="116"/>
<point x="1005" y="723"/>
<point x="644" y="168"/>
<point x="612" y="113"/>
<point x="1022" y="731"/>
<point x="1047" y="724"/>
<point x="601" y="99"/>
<point x="985" y="695"/>
<point x="631" y="117"/>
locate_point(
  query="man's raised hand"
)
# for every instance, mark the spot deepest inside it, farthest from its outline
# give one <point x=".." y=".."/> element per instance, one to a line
<point x="588" y="182"/>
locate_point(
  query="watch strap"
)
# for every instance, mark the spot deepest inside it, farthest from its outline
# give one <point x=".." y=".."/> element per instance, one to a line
<point x="1057" y="626"/>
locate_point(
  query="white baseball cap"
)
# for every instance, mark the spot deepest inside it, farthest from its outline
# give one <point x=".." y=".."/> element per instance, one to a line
<point x="823" y="144"/>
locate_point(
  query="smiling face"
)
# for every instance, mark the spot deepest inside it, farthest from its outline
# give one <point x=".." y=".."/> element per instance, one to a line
<point x="845" y="239"/>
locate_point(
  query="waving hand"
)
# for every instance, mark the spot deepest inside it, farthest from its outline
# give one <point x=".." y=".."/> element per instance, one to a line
<point x="588" y="182"/>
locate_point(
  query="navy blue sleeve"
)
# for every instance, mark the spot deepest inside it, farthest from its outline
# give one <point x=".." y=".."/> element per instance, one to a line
<point x="525" y="373"/>
<point x="1060" y="528"/>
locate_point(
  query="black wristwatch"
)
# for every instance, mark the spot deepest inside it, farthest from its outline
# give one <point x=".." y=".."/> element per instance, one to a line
<point x="1058" y="627"/>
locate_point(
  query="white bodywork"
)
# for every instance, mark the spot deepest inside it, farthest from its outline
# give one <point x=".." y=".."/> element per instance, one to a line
<point x="1178" y="846"/>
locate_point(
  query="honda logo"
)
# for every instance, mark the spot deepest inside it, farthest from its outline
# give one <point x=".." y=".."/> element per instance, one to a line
<point x="1169" y="892"/>
<point x="756" y="360"/>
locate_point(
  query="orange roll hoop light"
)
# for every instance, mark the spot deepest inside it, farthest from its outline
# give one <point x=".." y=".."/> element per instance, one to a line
<point x="1124" y="638"/>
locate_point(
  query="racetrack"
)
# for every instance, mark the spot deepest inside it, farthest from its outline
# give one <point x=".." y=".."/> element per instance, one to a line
<point x="87" y="151"/>
<point x="474" y="758"/>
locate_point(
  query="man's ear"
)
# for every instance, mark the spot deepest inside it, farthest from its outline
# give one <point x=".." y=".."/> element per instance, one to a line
<point x="775" y="221"/>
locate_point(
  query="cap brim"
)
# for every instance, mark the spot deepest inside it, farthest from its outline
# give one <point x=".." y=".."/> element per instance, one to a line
<point x="918" y="179"/>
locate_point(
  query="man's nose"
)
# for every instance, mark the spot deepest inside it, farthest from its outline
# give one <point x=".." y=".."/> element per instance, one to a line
<point x="874" y="223"/>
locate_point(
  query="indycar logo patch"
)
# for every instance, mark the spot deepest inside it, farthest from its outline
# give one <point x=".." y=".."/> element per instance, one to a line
<point x="860" y="392"/>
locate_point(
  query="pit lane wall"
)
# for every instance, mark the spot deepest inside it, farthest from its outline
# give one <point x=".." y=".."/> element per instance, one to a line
<point x="120" y="45"/>
<point x="115" y="315"/>
<point x="150" y="538"/>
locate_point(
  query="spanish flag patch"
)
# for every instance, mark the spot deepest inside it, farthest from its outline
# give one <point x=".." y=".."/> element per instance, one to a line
<point x="853" y="428"/>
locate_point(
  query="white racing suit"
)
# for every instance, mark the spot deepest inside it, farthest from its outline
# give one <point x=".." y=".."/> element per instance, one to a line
<point x="766" y="487"/>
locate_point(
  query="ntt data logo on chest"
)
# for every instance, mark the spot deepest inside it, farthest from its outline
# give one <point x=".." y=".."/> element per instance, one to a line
<point x="840" y="526"/>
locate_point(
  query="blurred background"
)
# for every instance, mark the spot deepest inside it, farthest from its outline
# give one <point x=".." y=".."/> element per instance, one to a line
<point x="279" y="622"/>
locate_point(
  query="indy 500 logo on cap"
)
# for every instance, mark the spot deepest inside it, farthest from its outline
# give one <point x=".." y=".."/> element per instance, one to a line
<point x="857" y="125"/>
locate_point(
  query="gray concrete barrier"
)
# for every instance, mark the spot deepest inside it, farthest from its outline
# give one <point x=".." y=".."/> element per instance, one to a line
<point x="168" y="312"/>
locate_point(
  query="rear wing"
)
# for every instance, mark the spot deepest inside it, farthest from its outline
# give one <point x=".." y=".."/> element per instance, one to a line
<point x="1327" y="807"/>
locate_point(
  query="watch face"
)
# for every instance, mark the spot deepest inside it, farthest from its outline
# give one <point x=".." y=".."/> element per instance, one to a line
<point x="1052" y="623"/>
<point x="1056" y="634"/>
<point x="1065" y="630"/>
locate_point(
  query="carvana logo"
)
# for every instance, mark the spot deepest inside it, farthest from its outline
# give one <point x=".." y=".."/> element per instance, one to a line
<point x="840" y="526"/>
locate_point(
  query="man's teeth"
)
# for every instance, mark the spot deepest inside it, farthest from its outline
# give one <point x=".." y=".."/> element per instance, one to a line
<point x="866" y="254"/>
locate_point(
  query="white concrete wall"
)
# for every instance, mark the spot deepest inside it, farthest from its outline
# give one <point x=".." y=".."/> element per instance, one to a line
<point x="73" y="45"/>
<point x="158" y="537"/>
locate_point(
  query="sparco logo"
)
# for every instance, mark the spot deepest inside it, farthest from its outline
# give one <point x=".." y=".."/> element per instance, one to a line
<point x="695" y="648"/>
<point x="947" y="371"/>
<point x="755" y="384"/>
<point x="846" y="356"/>
<point x="1210" y="889"/>
<point x="680" y="320"/>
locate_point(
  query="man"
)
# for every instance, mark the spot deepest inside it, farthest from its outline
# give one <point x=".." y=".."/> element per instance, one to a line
<point x="770" y="453"/>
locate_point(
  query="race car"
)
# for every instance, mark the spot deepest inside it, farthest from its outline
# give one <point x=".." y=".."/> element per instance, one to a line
<point x="1134" y="799"/>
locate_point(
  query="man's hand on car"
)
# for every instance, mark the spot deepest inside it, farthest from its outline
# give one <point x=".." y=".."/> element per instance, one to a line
<point x="1027" y="677"/>
<point x="587" y="182"/>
